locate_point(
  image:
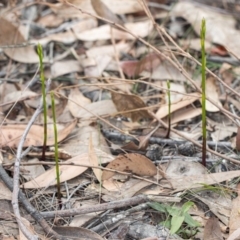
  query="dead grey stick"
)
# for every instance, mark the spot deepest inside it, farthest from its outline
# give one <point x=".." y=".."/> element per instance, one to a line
<point x="15" y="193"/>
<point x="29" y="207"/>
<point x="115" y="135"/>
<point x="97" y="208"/>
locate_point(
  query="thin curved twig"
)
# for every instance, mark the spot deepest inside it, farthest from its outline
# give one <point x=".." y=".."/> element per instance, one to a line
<point x="28" y="206"/>
<point x="15" y="190"/>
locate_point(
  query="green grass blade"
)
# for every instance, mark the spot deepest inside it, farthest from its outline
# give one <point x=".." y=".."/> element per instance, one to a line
<point x="169" y="108"/>
<point x="204" y="121"/>
<point x="56" y="145"/>
<point x="42" y="78"/>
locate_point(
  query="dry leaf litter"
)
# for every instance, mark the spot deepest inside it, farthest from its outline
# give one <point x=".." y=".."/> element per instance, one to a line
<point x="121" y="143"/>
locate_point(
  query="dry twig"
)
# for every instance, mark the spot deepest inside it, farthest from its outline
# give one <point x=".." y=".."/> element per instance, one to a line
<point x="28" y="206"/>
<point x="15" y="189"/>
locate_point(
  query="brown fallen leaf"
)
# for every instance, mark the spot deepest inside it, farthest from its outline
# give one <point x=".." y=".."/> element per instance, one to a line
<point x="77" y="233"/>
<point x="109" y="50"/>
<point x="212" y="93"/>
<point x="67" y="37"/>
<point x="220" y="204"/>
<point x="181" y="183"/>
<point x="50" y="20"/>
<point x="219" y="50"/>
<point x="132" y="163"/>
<point x="131" y="103"/>
<point x="75" y="100"/>
<point x="15" y="96"/>
<point x="31" y="172"/>
<point x="94" y="160"/>
<point x="60" y="68"/>
<point x="125" y="190"/>
<point x="134" y="68"/>
<point x="212" y="230"/>
<point x="78" y="147"/>
<point x="10" y="35"/>
<point x="116" y="6"/>
<point x="238" y="139"/>
<point x="105" y="32"/>
<point x="217" y="24"/>
<point x="67" y="172"/>
<point x="8" y="238"/>
<point x="94" y="67"/>
<point x="10" y="135"/>
<point x="185" y="114"/>
<point x="235" y="217"/>
<point x="103" y="11"/>
<point x="179" y="104"/>
<point x="78" y="143"/>
<point x="94" y="109"/>
<point x="235" y="235"/>
<point x="5" y="193"/>
<point x="227" y="73"/>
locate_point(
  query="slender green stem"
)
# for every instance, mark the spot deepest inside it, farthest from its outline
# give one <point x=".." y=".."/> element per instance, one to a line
<point x="204" y="121"/>
<point x="42" y="78"/>
<point x="169" y="108"/>
<point x="56" y="146"/>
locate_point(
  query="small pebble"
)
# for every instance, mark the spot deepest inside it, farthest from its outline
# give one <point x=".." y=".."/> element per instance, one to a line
<point x="154" y="152"/>
<point x="187" y="149"/>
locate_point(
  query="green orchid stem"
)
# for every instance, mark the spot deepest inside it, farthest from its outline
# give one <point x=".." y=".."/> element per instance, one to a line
<point x="42" y="78"/>
<point x="56" y="148"/>
<point x="204" y="120"/>
<point x="169" y="109"/>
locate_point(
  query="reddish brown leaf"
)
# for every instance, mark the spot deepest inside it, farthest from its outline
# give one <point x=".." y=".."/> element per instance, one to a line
<point x="126" y="102"/>
<point x="10" y="35"/>
<point x="212" y="230"/>
<point x="134" y="68"/>
<point x="219" y="50"/>
<point x="134" y="147"/>
<point x="238" y="139"/>
<point x="103" y="11"/>
<point x="132" y="163"/>
<point x="227" y="73"/>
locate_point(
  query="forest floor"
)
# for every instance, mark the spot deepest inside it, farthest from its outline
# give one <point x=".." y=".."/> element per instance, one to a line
<point x="123" y="155"/>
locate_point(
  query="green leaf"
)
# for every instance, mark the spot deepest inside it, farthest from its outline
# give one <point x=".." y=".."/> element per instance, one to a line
<point x="174" y="211"/>
<point x="190" y="221"/>
<point x="176" y="223"/>
<point x="157" y="206"/>
<point x="186" y="206"/>
<point x="166" y="223"/>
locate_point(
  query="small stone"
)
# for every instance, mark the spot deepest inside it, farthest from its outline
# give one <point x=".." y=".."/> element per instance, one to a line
<point x="187" y="149"/>
<point x="154" y="152"/>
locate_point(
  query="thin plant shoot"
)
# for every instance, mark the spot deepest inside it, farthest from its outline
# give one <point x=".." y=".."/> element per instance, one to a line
<point x="203" y="70"/>
<point x="42" y="78"/>
<point x="169" y="108"/>
<point x="56" y="148"/>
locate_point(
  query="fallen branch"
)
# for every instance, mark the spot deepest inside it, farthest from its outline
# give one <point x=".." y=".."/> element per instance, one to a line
<point x="152" y="140"/>
<point x="97" y="208"/>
